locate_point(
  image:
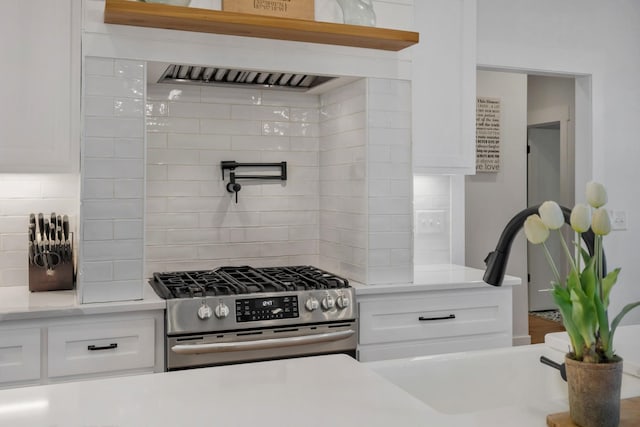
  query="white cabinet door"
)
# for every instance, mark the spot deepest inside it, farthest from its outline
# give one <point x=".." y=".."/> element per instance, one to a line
<point x="19" y="355"/>
<point x="101" y="347"/>
<point x="444" y="92"/>
<point x="40" y="51"/>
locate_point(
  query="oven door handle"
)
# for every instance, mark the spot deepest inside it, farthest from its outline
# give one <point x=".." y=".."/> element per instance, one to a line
<point x="261" y="344"/>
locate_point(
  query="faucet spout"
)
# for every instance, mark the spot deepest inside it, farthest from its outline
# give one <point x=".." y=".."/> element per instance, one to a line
<point x="496" y="261"/>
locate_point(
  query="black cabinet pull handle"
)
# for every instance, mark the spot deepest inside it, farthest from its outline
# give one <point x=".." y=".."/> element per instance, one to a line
<point x="423" y="319"/>
<point x="105" y="347"/>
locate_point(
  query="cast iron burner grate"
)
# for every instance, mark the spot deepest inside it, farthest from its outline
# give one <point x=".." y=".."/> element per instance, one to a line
<point x="243" y="280"/>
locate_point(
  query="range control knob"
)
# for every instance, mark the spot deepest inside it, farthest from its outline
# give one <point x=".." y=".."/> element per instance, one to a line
<point x="343" y="302"/>
<point x="311" y="304"/>
<point x="221" y="310"/>
<point x="328" y="303"/>
<point x="204" y="312"/>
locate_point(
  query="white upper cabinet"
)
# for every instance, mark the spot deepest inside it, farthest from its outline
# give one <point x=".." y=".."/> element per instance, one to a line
<point x="40" y="51"/>
<point x="444" y="89"/>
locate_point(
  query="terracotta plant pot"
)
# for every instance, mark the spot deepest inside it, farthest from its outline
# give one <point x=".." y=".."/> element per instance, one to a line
<point x="594" y="392"/>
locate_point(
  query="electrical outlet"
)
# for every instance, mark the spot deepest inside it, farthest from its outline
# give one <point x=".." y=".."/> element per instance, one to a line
<point x="429" y="222"/>
<point x="618" y="220"/>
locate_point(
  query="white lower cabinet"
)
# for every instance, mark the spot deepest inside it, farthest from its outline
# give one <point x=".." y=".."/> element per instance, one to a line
<point x="47" y="350"/>
<point x="96" y="347"/>
<point x="413" y="324"/>
<point x="19" y="355"/>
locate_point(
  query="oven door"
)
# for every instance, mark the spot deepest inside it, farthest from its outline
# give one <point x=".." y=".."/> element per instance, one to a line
<point x="260" y="344"/>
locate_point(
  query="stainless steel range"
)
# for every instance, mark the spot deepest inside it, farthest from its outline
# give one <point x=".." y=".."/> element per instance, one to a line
<point x="241" y="314"/>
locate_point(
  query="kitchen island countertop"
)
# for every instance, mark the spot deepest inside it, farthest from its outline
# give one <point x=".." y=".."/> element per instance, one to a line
<point x="18" y="303"/>
<point x="330" y="390"/>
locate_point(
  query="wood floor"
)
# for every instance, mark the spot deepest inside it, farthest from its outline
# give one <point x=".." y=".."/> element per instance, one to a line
<point x="539" y="327"/>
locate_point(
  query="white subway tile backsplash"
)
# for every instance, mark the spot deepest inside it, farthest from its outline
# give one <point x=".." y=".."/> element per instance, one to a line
<point x="98" y="230"/>
<point x="101" y="85"/>
<point x="98" y="106"/>
<point x="112" y="209"/>
<point x="172" y="124"/>
<point x="173" y="220"/>
<point x="127" y="269"/>
<point x="230" y="127"/>
<point x="172" y="189"/>
<point x="128" y="107"/>
<point x="172" y="157"/>
<point x="259" y="143"/>
<point x="198" y="141"/>
<point x="119" y="127"/>
<point x="128" y="189"/>
<point x="130" y="70"/>
<point x="99" y="66"/>
<point x="129" y="148"/>
<point x="157" y="92"/>
<point x="225" y="95"/>
<point x="109" y="250"/>
<point x="259" y="112"/>
<point x="156" y="108"/>
<point x="124" y="229"/>
<point x="97" y="271"/>
<point x="200" y="110"/>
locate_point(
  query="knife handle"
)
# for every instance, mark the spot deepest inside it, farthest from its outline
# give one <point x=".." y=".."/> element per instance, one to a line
<point x="41" y="225"/>
<point x="65" y="227"/>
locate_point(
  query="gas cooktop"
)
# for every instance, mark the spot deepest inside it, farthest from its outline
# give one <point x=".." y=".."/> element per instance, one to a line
<point x="244" y="280"/>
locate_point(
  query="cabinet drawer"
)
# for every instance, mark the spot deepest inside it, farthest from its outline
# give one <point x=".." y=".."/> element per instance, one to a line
<point x="19" y="355"/>
<point x="435" y="315"/>
<point x="101" y="347"/>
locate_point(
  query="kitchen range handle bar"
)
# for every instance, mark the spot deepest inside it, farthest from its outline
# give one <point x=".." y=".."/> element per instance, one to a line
<point x="261" y="344"/>
<point x="428" y="319"/>
<point x="232" y="165"/>
<point x="103" y="347"/>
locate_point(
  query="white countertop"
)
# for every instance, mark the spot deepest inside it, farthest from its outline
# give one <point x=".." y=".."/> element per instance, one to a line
<point x="315" y="391"/>
<point x="318" y="391"/>
<point x="17" y="303"/>
<point x="625" y="344"/>
<point x="437" y="277"/>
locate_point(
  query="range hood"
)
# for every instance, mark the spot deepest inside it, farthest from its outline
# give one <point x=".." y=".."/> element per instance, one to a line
<point x="220" y="76"/>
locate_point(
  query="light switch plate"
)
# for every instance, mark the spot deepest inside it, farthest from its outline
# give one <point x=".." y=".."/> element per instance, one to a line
<point x="618" y="220"/>
<point x="429" y="222"/>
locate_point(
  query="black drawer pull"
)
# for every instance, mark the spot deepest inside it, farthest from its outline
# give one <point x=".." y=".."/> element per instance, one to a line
<point x="422" y="318"/>
<point x="105" y="347"/>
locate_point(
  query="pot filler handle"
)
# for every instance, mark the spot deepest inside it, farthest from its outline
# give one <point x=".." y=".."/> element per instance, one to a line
<point x="261" y="344"/>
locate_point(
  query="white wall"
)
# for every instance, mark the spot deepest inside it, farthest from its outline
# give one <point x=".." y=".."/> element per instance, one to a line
<point x="599" y="40"/>
<point x="492" y="199"/>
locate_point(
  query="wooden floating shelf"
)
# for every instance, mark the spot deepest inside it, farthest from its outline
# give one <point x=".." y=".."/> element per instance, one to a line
<point x="126" y="12"/>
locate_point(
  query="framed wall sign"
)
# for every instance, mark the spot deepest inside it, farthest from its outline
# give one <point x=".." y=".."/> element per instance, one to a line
<point x="487" y="134"/>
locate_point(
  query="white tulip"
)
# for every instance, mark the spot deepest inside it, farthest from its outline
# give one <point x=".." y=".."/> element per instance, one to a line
<point x="600" y="223"/>
<point x="596" y="194"/>
<point x="535" y="230"/>
<point x="580" y="218"/>
<point x="551" y="215"/>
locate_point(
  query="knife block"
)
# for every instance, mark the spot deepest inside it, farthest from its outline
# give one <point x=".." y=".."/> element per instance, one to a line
<point x="61" y="277"/>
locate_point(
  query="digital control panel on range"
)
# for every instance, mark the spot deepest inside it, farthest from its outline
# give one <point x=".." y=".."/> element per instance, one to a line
<point x="278" y="307"/>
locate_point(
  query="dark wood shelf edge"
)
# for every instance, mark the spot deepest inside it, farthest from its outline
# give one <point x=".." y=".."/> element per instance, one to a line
<point x="126" y="12"/>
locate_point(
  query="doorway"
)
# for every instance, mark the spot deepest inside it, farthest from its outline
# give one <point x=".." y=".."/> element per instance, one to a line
<point x="550" y="173"/>
<point x="543" y="183"/>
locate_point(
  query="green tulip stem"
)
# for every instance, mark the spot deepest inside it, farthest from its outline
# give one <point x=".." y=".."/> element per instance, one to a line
<point x="551" y="263"/>
<point x="569" y="256"/>
<point x="578" y="255"/>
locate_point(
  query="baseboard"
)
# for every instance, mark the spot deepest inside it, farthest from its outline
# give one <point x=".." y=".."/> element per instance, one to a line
<point x="521" y="340"/>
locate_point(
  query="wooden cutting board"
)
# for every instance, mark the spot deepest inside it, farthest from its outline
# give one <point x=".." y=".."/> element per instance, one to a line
<point x="629" y="415"/>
